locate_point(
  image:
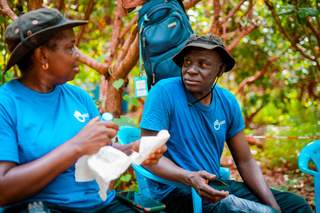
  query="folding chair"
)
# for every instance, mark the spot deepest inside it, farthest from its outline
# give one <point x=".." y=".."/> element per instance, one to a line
<point x="311" y="152"/>
<point x="128" y="134"/>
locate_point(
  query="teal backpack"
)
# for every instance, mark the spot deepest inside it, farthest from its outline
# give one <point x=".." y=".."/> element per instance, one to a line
<point x="164" y="28"/>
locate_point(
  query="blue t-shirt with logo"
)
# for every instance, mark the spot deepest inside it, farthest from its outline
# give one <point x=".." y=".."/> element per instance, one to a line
<point x="32" y="124"/>
<point x="197" y="133"/>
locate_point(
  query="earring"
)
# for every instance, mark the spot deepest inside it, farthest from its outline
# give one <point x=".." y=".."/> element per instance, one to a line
<point x="45" y="66"/>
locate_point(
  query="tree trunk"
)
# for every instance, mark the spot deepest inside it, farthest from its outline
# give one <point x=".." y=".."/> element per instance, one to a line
<point x="114" y="99"/>
<point x="34" y="4"/>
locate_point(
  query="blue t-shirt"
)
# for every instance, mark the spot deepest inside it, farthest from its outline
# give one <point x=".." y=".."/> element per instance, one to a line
<point x="32" y="124"/>
<point x="197" y="133"/>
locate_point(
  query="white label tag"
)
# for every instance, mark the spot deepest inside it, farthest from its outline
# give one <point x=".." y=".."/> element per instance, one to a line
<point x="141" y="86"/>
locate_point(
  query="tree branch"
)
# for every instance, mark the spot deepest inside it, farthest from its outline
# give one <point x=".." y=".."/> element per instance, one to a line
<point x="126" y="45"/>
<point x="7" y="10"/>
<point x="311" y="46"/>
<point x="190" y="3"/>
<point x="231" y="14"/>
<point x="282" y="30"/>
<point x="86" y="17"/>
<point x="132" y="22"/>
<point x="256" y="76"/>
<point x="132" y="56"/>
<point x="91" y="62"/>
<point x="314" y="31"/>
<point x="34" y="4"/>
<point x="60" y="5"/>
<point x="216" y="14"/>
<point x="242" y="34"/>
<point x="115" y="34"/>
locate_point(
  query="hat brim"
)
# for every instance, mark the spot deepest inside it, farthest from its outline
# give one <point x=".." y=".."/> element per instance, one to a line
<point x="41" y="36"/>
<point x="227" y="58"/>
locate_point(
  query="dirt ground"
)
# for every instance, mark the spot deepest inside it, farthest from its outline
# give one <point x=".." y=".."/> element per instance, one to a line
<point x="277" y="178"/>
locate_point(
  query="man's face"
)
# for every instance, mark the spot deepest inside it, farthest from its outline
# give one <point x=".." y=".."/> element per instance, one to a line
<point x="200" y="69"/>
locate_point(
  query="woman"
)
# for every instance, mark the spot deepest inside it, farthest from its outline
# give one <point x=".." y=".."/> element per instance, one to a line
<point x="46" y="124"/>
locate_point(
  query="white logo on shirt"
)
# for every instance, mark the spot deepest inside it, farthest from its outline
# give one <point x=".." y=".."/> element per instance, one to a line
<point x="217" y="124"/>
<point x="81" y="118"/>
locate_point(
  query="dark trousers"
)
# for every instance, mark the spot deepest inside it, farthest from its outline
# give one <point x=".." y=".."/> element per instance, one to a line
<point x="115" y="207"/>
<point x="180" y="200"/>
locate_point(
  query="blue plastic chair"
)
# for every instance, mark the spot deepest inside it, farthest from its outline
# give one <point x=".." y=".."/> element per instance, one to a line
<point x="128" y="134"/>
<point x="311" y="152"/>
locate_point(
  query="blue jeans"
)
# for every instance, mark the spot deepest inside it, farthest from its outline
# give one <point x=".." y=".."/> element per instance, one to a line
<point x="234" y="203"/>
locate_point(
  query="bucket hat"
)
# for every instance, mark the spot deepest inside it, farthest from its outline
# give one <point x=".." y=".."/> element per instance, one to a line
<point x="208" y="41"/>
<point x="32" y="29"/>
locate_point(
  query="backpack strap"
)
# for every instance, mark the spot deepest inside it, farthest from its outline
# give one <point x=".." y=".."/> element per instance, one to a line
<point x="181" y="4"/>
<point x="145" y="18"/>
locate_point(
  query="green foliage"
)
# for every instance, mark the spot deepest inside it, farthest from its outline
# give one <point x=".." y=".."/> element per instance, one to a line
<point x="126" y="182"/>
<point x="131" y="99"/>
<point x="288" y="9"/>
<point x="285" y="99"/>
<point x="124" y="121"/>
<point x="117" y="84"/>
<point x="296" y="122"/>
<point x="301" y="13"/>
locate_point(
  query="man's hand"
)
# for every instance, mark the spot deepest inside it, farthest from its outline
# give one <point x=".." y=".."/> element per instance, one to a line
<point x="134" y="146"/>
<point x="199" y="181"/>
<point x="153" y="157"/>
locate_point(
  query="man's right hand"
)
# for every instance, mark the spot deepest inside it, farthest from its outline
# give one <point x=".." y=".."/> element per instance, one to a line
<point x="199" y="181"/>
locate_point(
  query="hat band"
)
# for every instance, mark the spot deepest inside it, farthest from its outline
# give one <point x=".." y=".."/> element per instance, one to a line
<point x="204" y="42"/>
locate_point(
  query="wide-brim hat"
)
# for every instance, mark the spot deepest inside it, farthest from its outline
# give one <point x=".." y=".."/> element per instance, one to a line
<point x="32" y="29"/>
<point x="208" y="41"/>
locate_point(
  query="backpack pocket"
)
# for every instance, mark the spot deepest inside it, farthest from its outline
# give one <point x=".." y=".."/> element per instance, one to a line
<point x="164" y="35"/>
<point x="164" y="67"/>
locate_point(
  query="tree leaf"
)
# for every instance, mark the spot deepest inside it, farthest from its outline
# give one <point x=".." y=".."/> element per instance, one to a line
<point x="117" y="84"/>
<point x="285" y="12"/>
<point x="124" y="121"/>
<point x="125" y="177"/>
<point x="101" y="57"/>
<point x="302" y="21"/>
<point x="288" y="9"/>
<point x="307" y="11"/>
<point x="131" y="99"/>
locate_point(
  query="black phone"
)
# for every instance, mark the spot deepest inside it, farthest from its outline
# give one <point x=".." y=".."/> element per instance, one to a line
<point x="219" y="182"/>
<point x="141" y="201"/>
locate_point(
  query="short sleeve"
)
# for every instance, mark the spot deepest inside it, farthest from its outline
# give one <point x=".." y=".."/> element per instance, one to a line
<point x="237" y="121"/>
<point x="8" y="133"/>
<point x="156" y="112"/>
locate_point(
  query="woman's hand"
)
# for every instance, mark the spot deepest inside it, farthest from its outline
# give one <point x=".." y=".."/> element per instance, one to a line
<point x="95" y="135"/>
<point x="199" y="181"/>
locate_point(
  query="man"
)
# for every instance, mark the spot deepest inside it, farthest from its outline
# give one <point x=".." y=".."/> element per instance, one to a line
<point x="200" y="116"/>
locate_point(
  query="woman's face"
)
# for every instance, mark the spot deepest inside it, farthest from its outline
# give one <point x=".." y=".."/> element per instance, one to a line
<point x="62" y="58"/>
